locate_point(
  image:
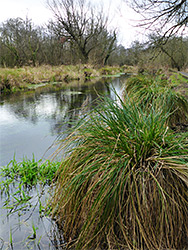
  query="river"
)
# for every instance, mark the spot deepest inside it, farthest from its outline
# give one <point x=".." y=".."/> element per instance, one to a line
<point x="30" y="123"/>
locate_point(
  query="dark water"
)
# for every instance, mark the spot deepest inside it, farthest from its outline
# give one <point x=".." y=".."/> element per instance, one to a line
<point x="29" y="124"/>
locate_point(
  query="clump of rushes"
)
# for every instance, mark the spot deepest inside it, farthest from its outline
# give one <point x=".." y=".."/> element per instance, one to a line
<point x="123" y="183"/>
<point x="145" y="90"/>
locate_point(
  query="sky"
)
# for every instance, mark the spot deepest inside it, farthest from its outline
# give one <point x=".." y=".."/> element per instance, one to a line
<point x="121" y="16"/>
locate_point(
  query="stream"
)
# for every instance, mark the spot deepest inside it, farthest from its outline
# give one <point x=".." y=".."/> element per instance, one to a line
<point x="30" y="123"/>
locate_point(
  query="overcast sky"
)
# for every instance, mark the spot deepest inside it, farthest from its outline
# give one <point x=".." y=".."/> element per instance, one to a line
<point x="123" y="17"/>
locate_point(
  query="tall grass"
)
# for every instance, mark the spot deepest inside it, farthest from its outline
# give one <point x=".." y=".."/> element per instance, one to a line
<point x="14" y="79"/>
<point x="145" y="90"/>
<point x="123" y="183"/>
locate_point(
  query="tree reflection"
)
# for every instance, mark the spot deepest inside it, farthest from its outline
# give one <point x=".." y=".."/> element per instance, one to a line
<point x="56" y="104"/>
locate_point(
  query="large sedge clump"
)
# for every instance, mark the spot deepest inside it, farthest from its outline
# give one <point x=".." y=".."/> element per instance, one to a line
<point x="124" y="181"/>
<point x="145" y="90"/>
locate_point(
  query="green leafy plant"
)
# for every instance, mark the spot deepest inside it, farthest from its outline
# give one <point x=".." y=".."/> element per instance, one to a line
<point x="29" y="172"/>
<point x="18" y="179"/>
<point x="123" y="182"/>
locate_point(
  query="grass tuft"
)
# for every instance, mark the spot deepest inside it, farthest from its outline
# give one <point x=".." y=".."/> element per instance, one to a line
<point x="124" y="181"/>
<point x="24" y="182"/>
<point x="146" y="90"/>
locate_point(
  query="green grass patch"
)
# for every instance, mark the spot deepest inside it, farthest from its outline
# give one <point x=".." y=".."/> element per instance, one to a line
<point x="25" y="181"/>
<point x="25" y="188"/>
<point x="29" y="172"/>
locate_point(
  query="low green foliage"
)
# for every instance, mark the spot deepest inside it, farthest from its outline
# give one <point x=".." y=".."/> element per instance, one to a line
<point x="123" y="182"/>
<point x="29" y="172"/>
<point x="136" y="83"/>
<point x="25" y="186"/>
<point x="145" y="89"/>
<point x="18" y="179"/>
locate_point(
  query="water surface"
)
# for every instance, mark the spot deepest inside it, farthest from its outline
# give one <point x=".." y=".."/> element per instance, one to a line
<point x="30" y="122"/>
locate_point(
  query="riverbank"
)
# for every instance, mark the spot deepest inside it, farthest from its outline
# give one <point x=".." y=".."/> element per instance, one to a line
<point x="16" y="79"/>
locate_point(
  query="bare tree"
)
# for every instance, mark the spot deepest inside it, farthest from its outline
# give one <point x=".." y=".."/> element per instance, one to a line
<point x="21" y="40"/>
<point x="174" y="52"/>
<point x="169" y="16"/>
<point x="77" y="22"/>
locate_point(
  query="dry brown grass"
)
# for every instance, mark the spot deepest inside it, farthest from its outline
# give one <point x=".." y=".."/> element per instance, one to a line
<point x="19" y="78"/>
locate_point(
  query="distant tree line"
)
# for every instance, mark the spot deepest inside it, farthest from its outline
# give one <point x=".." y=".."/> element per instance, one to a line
<point x="173" y="53"/>
<point x="23" y="43"/>
<point x="80" y="34"/>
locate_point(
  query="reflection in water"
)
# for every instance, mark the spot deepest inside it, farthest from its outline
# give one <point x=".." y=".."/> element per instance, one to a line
<point x="30" y="122"/>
